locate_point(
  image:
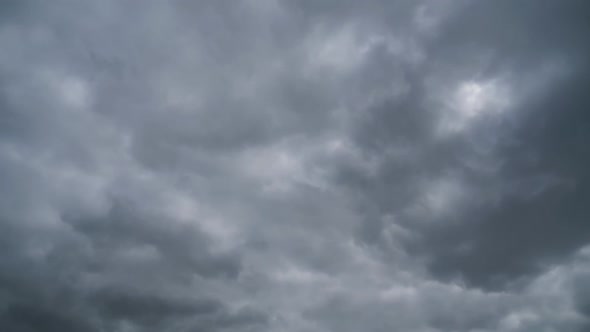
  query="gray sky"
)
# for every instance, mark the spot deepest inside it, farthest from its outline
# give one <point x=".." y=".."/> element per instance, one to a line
<point x="294" y="166"/>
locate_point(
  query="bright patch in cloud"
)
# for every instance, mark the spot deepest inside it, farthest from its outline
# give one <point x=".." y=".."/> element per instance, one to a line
<point x="472" y="101"/>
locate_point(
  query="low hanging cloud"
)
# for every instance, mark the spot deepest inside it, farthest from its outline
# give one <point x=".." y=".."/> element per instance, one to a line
<point x="297" y="166"/>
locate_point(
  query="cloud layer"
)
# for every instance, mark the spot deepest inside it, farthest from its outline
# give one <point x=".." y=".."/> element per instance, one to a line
<point x="296" y="166"/>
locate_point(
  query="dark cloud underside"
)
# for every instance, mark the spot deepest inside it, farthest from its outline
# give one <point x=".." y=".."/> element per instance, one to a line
<point x="294" y="166"/>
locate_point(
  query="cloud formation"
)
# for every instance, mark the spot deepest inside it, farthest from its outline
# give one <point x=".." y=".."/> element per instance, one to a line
<point x="296" y="166"/>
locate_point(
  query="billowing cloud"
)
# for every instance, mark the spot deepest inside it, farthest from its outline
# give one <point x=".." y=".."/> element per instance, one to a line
<point x="296" y="166"/>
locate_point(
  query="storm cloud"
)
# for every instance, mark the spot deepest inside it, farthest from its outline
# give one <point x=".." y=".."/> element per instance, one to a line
<point x="294" y="165"/>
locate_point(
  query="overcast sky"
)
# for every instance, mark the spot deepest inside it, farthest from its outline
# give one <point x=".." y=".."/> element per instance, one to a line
<point x="294" y="166"/>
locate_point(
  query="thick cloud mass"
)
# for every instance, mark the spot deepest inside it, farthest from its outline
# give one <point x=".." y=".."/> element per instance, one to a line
<point x="295" y="166"/>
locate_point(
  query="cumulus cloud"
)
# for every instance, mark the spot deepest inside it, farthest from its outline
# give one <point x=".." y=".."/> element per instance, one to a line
<point x="296" y="166"/>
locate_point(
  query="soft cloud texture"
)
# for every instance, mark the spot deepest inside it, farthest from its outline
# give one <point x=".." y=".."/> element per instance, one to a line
<point x="296" y="166"/>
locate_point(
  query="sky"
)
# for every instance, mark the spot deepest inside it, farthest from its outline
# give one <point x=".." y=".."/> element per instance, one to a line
<point x="294" y="166"/>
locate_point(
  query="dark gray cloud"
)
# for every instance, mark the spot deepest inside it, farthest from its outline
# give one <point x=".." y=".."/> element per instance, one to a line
<point x="297" y="166"/>
<point x="525" y="174"/>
